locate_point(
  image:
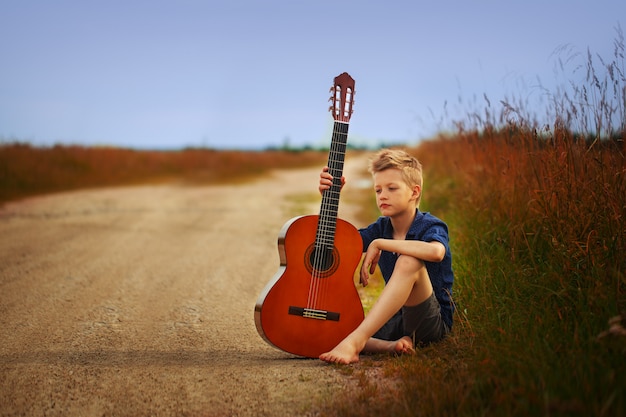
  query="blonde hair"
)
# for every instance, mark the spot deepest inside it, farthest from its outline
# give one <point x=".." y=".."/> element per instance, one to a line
<point x="410" y="167"/>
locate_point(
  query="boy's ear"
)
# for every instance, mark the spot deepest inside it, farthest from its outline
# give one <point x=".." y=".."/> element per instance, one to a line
<point x="417" y="191"/>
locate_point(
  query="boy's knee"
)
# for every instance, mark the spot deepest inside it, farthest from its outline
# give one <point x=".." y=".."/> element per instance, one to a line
<point x="408" y="264"/>
<point x="414" y="270"/>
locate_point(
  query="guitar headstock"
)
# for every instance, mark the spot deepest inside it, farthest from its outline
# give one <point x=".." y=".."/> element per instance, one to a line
<point x="342" y="97"/>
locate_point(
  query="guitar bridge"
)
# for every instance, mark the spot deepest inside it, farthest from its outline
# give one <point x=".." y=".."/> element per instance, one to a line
<point x="311" y="313"/>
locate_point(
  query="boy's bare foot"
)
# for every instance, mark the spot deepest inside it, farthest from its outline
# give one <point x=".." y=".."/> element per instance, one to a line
<point x="404" y="346"/>
<point x="344" y="353"/>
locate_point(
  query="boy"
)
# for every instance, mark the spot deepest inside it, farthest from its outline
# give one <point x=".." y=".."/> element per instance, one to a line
<point x="412" y="251"/>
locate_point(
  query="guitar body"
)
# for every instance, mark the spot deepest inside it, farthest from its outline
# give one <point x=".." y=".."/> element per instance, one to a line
<point x="310" y="305"/>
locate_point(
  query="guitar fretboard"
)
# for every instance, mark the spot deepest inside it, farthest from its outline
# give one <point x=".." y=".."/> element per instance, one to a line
<point x="327" y="222"/>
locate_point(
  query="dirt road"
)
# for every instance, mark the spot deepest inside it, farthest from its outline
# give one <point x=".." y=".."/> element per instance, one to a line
<point x="140" y="301"/>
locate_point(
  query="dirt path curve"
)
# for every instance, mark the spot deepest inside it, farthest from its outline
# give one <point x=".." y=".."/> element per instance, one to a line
<point x="140" y="301"/>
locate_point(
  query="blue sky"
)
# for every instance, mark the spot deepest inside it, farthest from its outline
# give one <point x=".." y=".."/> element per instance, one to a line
<point x="251" y="74"/>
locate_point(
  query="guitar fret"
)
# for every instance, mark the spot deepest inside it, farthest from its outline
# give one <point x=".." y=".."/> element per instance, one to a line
<point x="327" y="222"/>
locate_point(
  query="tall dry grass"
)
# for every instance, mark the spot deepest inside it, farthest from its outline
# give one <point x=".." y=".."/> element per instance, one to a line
<point x="537" y="212"/>
<point x="27" y="170"/>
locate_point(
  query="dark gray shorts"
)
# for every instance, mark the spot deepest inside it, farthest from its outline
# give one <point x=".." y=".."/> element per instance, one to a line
<point x="423" y="323"/>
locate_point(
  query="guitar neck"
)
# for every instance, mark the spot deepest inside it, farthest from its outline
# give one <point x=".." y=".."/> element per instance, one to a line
<point x="330" y="198"/>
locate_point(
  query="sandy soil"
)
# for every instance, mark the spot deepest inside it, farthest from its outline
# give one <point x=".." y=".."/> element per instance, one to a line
<point x="140" y="301"/>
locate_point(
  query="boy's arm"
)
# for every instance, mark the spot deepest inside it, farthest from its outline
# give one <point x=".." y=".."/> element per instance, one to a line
<point x="426" y="251"/>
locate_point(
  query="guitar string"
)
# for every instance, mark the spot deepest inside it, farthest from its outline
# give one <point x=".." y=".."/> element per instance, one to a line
<point x="325" y="239"/>
<point x="319" y="249"/>
<point x="323" y="244"/>
<point x="339" y="155"/>
<point x="336" y="164"/>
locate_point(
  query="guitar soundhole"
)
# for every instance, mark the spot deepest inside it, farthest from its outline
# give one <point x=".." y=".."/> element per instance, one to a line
<point x="322" y="262"/>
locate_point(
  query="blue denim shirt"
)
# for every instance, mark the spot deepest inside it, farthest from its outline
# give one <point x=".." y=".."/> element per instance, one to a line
<point x="426" y="228"/>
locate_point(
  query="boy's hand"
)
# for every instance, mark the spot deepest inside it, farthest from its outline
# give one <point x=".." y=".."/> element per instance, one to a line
<point x="326" y="180"/>
<point x="372" y="255"/>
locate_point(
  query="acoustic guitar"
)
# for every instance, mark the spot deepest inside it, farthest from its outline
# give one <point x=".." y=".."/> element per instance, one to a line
<point x="311" y="303"/>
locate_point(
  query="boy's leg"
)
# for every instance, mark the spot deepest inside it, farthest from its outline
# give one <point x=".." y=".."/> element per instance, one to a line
<point x="409" y="285"/>
<point x="401" y="345"/>
<point x="390" y="338"/>
<point x="420" y="324"/>
<point x="423" y="322"/>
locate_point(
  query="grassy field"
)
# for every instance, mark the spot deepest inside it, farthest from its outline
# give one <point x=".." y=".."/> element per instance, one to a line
<point x="538" y="237"/>
<point x="537" y="215"/>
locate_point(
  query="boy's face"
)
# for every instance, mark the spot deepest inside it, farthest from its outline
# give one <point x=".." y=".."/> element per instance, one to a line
<point x="393" y="194"/>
